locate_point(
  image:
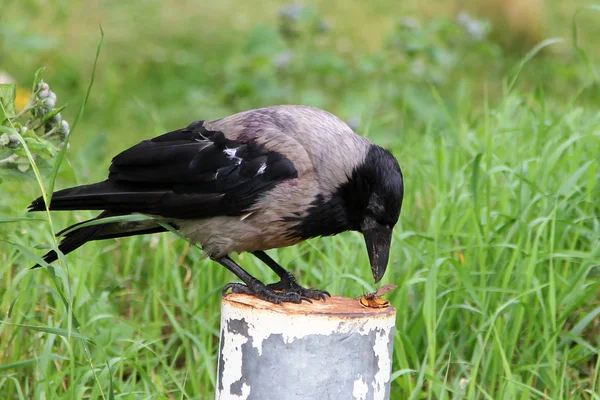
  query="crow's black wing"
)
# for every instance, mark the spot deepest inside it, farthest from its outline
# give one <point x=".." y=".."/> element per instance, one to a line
<point x="188" y="173"/>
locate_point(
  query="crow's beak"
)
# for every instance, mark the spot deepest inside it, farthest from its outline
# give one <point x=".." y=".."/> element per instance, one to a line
<point x="378" y="238"/>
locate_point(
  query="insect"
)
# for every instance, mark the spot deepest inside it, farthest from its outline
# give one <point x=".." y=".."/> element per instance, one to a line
<point x="373" y="300"/>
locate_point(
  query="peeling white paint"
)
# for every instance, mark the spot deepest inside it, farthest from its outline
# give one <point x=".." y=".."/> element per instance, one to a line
<point x="264" y="323"/>
<point x="384" y="364"/>
<point x="360" y="389"/>
<point x="232" y="358"/>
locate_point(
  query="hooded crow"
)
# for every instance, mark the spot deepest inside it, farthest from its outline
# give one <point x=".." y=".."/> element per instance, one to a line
<point x="253" y="181"/>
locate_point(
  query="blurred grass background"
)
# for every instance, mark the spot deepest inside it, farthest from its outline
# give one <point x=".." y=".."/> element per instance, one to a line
<point x="497" y="249"/>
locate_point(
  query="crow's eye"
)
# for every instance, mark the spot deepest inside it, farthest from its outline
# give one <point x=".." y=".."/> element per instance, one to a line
<point x="375" y="210"/>
<point x="387" y="225"/>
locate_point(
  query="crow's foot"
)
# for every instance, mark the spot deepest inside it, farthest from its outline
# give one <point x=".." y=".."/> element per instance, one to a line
<point x="290" y="285"/>
<point x="266" y="293"/>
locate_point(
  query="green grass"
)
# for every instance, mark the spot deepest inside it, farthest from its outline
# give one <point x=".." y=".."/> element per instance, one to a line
<point x="496" y="254"/>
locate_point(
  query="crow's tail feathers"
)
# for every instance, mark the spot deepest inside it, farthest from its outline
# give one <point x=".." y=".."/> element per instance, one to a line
<point x="78" y="237"/>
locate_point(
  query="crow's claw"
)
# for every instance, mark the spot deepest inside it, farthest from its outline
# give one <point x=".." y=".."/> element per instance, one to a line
<point x="235" y="288"/>
<point x="315" y="294"/>
<point x="292" y="286"/>
<point x="266" y="293"/>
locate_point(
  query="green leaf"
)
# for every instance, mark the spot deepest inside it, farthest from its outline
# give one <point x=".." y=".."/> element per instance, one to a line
<point x="530" y="54"/>
<point x="402" y="372"/>
<point x="37" y="79"/>
<point x="5" y="129"/>
<point x="8" y="94"/>
<point x="12" y="305"/>
<point x="52" y="113"/>
<point x="28" y="363"/>
<point x="49" y="269"/>
<point x="43" y="148"/>
<point x="475" y="178"/>
<point x="595" y="395"/>
<point x="56" y="331"/>
<point x="19" y="219"/>
<point x="582" y="53"/>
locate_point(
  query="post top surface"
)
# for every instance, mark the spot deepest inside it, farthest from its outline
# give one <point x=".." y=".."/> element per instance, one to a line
<point x="335" y="306"/>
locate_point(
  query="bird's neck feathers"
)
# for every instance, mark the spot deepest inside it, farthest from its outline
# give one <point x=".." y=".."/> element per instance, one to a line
<point x="345" y="208"/>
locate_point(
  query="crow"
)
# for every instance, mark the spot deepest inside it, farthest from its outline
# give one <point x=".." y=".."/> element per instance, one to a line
<point x="256" y="180"/>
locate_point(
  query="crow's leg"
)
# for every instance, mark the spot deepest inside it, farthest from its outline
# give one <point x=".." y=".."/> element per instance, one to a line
<point x="255" y="287"/>
<point x="288" y="283"/>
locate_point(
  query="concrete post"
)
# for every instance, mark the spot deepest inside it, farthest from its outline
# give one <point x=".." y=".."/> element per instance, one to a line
<point x="335" y="349"/>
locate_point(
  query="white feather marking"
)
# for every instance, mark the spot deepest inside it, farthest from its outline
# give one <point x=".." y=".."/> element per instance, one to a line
<point x="243" y="217"/>
<point x="262" y="169"/>
<point x="231" y="153"/>
<point x="203" y="138"/>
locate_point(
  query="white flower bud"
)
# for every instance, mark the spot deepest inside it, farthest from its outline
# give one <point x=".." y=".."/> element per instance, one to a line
<point x="49" y="102"/>
<point x="283" y="60"/>
<point x="42" y="94"/>
<point x="56" y="119"/>
<point x="293" y="12"/>
<point x="43" y="90"/>
<point x="13" y="141"/>
<point x="474" y="27"/>
<point x="63" y="129"/>
<point x="410" y="24"/>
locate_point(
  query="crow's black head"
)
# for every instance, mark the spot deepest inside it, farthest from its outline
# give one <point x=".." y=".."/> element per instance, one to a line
<point x="368" y="202"/>
<point x="379" y="189"/>
<point x="374" y="200"/>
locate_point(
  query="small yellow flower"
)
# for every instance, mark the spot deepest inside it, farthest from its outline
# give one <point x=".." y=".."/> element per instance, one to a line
<point x="23" y="96"/>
